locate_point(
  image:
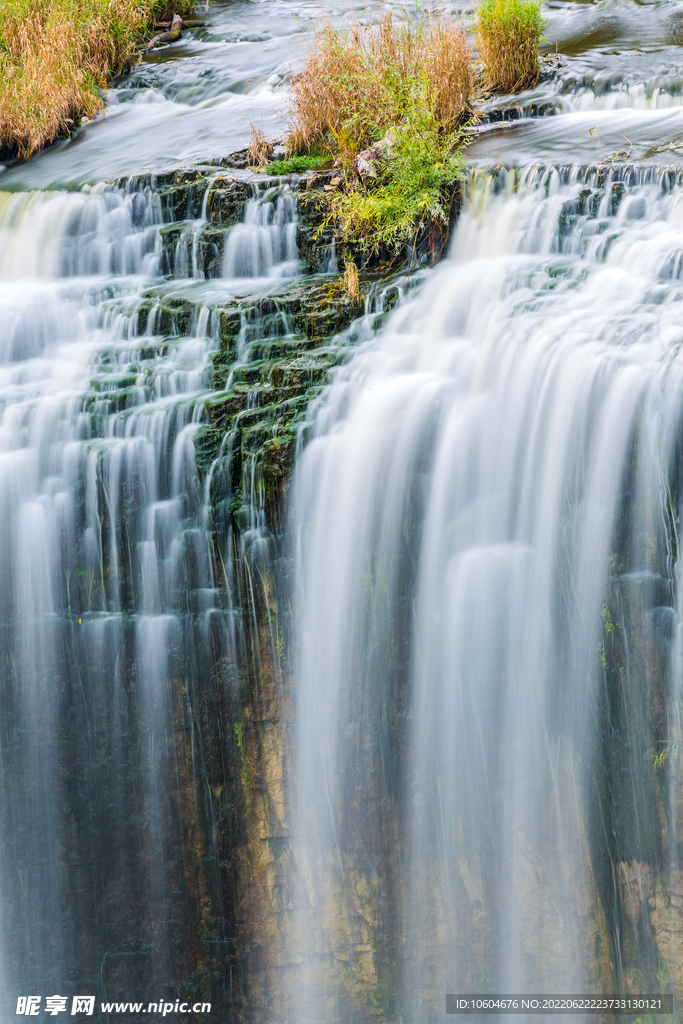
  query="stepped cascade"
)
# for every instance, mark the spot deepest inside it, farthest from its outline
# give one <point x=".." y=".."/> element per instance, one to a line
<point x="341" y="639"/>
<point x="109" y="584"/>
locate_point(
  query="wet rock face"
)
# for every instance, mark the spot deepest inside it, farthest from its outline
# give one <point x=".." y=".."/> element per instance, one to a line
<point x="226" y="200"/>
<point x="321" y="249"/>
<point x="198" y="249"/>
<point x="184" y="192"/>
<point x="286" y="359"/>
<point x="186" y="196"/>
<point x="274" y="354"/>
<point x="169" y="780"/>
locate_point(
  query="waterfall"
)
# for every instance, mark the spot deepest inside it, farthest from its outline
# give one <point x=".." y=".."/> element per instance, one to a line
<point x="489" y="624"/>
<point x="119" y="629"/>
<point x="264" y="244"/>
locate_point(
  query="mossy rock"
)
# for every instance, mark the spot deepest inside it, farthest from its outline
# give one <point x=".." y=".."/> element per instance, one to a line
<point x="317" y="241"/>
<point x="225" y="406"/>
<point x="227" y="199"/>
<point x="207" y="245"/>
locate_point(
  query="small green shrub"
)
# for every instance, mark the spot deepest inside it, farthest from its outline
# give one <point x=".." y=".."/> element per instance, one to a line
<point x="414" y="186"/>
<point x="508" y="36"/>
<point x="297" y="164"/>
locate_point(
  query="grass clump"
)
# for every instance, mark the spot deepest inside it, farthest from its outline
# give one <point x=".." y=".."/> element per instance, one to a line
<point x="508" y="36"/>
<point x="56" y="54"/>
<point x="260" y="151"/>
<point x="403" y="87"/>
<point x="357" y="83"/>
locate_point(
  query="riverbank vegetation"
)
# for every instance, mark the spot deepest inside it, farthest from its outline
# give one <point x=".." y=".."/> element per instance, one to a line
<point x="297" y="164"/>
<point x="56" y="54"/>
<point x="508" y="36"/>
<point x="413" y="191"/>
<point x="391" y="104"/>
<point x="358" y="83"/>
<point x="388" y="103"/>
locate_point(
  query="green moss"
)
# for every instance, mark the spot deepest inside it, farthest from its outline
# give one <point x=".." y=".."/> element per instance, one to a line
<point x="297" y="164"/>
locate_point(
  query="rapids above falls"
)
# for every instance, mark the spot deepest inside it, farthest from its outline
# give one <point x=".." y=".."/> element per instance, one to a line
<point x="341" y="646"/>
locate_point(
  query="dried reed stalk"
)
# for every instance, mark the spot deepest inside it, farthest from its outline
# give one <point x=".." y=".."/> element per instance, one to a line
<point x="260" y="152"/>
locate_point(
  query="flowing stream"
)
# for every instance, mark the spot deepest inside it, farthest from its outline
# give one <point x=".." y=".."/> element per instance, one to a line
<point x="480" y="788"/>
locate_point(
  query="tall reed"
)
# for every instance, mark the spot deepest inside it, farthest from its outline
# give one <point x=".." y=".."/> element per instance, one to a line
<point x="508" y="36"/>
<point x="356" y="83"/>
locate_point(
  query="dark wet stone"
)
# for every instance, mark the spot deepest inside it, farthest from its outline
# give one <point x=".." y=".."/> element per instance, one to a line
<point x="227" y="199"/>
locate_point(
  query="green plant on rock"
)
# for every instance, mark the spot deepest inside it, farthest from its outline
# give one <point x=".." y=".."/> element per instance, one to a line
<point x="244" y="768"/>
<point x="414" y="187"/>
<point x="404" y="89"/>
<point x="670" y="752"/>
<point x="297" y="164"/>
<point x="603" y="656"/>
<point x="610" y="625"/>
<point x="662" y="976"/>
<point x="508" y="36"/>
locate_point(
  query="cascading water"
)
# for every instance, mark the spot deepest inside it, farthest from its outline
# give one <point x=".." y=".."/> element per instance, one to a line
<point x="481" y="785"/>
<point x="94" y="627"/>
<point x="489" y="610"/>
<point x="264" y="245"/>
<point x="114" y="609"/>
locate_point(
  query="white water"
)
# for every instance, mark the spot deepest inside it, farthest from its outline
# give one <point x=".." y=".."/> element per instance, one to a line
<point x="457" y="549"/>
<point x="83" y="490"/>
<point x="264" y="245"/>
<point x="488" y="478"/>
<point x="110" y="590"/>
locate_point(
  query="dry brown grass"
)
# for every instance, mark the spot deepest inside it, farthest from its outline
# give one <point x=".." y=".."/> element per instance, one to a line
<point x="448" y="63"/>
<point x="260" y="151"/>
<point x="54" y="54"/>
<point x="357" y="83"/>
<point x="508" y="35"/>
<point x="351" y="282"/>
